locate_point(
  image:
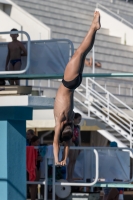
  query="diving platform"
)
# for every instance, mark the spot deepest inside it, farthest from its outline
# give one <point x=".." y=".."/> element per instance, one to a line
<point x="14" y="111"/>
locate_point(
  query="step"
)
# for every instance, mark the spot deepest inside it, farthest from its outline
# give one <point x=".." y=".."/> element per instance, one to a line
<point x="77" y="39"/>
<point x="75" y="31"/>
<point x="110" y="67"/>
<point x="116" y="6"/>
<point x="111" y="44"/>
<point x="113" y="51"/>
<point x="70" y="6"/>
<point x="60" y="15"/>
<point x="114" y="63"/>
<point x="46" y="10"/>
<point x="114" y="59"/>
<point x="110" y="130"/>
<point x="116" y="134"/>
<point x="66" y="24"/>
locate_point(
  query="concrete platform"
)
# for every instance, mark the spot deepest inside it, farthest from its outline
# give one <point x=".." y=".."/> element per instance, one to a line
<point x="27" y="101"/>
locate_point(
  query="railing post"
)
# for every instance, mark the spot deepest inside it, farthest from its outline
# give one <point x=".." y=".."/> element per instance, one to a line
<point x="84" y="172"/>
<point x="46" y="179"/>
<point x="40" y="84"/>
<point x="119" y="89"/>
<point x="93" y="58"/>
<point x="88" y="96"/>
<point x="86" y="85"/>
<point x="131" y="128"/>
<point x="48" y="82"/>
<point x="131" y="91"/>
<point x="108" y="105"/>
<point x="53" y="185"/>
<point x="92" y="169"/>
<point x="32" y="82"/>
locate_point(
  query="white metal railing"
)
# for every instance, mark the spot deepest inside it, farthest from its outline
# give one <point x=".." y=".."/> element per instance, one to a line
<point x="105" y="104"/>
<point x="84" y="183"/>
<point x="114" y="14"/>
<point x="28" y="53"/>
<point x="95" y="150"/>
<point x="119" y="87"/>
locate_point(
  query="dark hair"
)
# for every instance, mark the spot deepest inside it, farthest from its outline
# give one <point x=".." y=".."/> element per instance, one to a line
<point x="67" y="132"/>
<point x="31" y="131"/>
<point x="14" y="29"/>
<point x="77" y="115"/>
<point x="34" y="139"/>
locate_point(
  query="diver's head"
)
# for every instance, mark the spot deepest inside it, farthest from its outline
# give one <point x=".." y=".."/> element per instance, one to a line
<point x="67" y="132"/>
<point x="14" y="35"/>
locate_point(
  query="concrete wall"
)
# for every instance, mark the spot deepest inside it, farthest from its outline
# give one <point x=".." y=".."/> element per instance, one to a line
<point x="8" y="25"/>
<point x="116" y="28"/>
<point x="36" y="29"/>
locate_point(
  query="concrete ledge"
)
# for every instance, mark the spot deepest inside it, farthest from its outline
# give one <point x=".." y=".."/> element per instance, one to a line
<point x="15" y="90"/>
<point x="27" y="101"/>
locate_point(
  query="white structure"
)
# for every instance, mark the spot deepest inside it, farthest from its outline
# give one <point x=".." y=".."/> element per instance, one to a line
<point x="15" y="17"/>
<point x="116" y="26"/>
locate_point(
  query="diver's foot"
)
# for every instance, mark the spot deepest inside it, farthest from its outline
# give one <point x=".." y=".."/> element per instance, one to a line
<point x="96" y="21"/>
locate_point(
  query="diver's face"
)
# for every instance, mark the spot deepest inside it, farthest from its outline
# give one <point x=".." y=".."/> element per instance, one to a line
<point x="14" y="36"/>
<point x="70" y="124"/>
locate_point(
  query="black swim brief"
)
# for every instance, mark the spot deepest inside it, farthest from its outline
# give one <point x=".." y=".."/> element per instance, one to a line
<point x="72" y="85"/>
<point x="13" y="62"/>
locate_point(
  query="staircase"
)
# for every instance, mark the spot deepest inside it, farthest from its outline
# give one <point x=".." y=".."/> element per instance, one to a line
<point x="98" y="103"/>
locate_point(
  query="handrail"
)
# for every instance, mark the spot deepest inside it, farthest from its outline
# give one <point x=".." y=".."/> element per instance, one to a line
<point x="116" y="15"/>
<point x="84" y="184"/>
<point x="59" y="76"/>
<point x="28" y="54"/>
<point x="95" y="183"/>
<point x="106" y="91"/>
<point x="116" y="118"/>
<point x="76" y="184"/>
